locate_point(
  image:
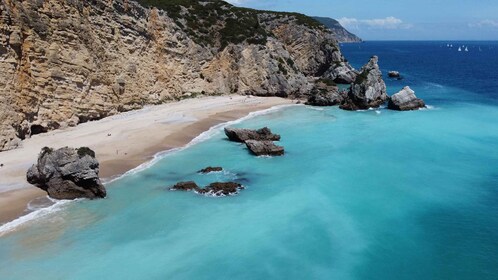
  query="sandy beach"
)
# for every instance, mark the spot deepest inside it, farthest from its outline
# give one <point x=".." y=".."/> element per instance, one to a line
<point x="122" y="142"/>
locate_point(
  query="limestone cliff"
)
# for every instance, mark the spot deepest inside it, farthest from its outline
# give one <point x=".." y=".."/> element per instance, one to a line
<point x="65" y="62"/>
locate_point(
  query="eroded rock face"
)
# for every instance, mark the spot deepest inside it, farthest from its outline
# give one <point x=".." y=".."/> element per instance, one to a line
<point x="264" y="148"/>
<point x="214" y="189"/>
<point x="242" y="135"/>
<point x="405" y="100"/>
<point x="69" y="62"/>
<point x="325" y="95"/>
<point x="368" y="90"/>
<point x="67" y="173"/>
<point x="341" y="73"/>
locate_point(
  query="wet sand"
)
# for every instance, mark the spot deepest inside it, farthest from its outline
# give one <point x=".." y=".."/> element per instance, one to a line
<point x="122" y="142"/>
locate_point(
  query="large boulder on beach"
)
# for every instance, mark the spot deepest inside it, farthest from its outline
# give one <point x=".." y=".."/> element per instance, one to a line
<point x="368" y="90"/>
<point x="242" y="135"/>
<point x="264" y="148"/>
<point x="67" y="173"/>
<point x="405" y="100"/>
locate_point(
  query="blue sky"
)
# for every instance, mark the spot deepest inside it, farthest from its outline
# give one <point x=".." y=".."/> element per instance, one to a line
<point x="399" y="19"/>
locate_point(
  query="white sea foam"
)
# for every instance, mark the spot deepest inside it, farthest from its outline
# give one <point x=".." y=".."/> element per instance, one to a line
<point x="61" y="204"/>
<point x="214" y="130"/>
<point x="35" y="215"/>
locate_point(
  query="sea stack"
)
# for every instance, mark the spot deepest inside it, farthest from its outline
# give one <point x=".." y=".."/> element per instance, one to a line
<point x="67" y="173"/>
<point x="368" y="90"/>
<point x="405" y="100"/>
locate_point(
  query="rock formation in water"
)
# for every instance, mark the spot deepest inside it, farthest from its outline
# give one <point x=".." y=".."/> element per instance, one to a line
<point x="264" y="148"/>
<point x="210" y="169"/>
<point x="405" y="100"/>
<point x="368" y="90"/>
<point x="241" y="135"/>
<point x="67" y="173"/>
<point x="341" y="34"/>
<point x="325" y="94"/>
<point x="213" y="189"/>
<point x="394" y="74"/>
<point x="69" y="62"/>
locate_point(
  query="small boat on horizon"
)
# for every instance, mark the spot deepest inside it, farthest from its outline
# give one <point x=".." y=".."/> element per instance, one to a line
<point x="459" y="49"/>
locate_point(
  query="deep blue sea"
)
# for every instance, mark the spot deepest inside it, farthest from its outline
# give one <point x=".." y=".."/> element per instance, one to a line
<point x="376" y="194"/>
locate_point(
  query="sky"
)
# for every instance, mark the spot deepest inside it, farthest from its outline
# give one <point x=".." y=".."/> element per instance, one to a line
<point x="399" y="19"/>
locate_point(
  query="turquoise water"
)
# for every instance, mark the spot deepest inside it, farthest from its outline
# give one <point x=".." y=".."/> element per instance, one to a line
<point x="359" y="195"/>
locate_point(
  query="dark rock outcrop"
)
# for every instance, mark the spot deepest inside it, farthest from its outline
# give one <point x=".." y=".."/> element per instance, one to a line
<point x="264" y="148"/>
<point x="214" y="189"/>
<point x="405" y="100"/>
<point x="394" y="74"/>
<point x="185" y="186"/>
<point x="210" y="169"/>
<point x="67" y="173"/>
<point x="242" y="135"/>
<point x="368" y="90"/>
<point x="222" y="189"/>
<point x="325" y="95"/>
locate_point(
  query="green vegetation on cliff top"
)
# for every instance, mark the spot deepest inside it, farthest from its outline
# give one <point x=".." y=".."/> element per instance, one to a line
<point x="218" y="23"/>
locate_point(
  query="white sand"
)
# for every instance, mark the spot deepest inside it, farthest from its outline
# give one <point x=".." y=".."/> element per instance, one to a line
<point x="134" y="138"/>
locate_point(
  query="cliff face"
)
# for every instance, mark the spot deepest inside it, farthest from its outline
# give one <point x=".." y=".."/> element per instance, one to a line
<point x="341" y="34"/>
<point x="65" y="62"/>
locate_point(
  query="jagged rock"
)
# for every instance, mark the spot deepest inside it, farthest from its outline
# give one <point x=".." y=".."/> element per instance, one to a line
<point x="222" y="189"/>
<point x="185" y="186"/>
<point x="341" y="73"/>
<point x="68" y="62"/>
<point x="394" y="74"/>
<point x="325" y="95"/>
<point x="264" y="148"/>
<point x="210" y="169"/>
<point x="67" y="173"/>
<point x="405" y="100"/>
<point x="368" y="90"/>
<point x="214" y="189"/>
<point x="242" y="135"/>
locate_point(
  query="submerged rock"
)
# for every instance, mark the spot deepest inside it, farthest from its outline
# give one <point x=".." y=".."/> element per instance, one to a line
<point x="405" y="100"/>
<point x="185" y="186"/>
<point x="214" y="189"/>
<point x="210" y="169"/>
<point x="242" y="135"/>
<point x="264" y="148"/>
<point x="222" y="189"/>
<point x="67" y="173"/>
<point x="368" y="90"/>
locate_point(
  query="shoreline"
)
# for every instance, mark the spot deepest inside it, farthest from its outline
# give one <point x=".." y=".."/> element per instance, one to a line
<point x="123" y="142"/>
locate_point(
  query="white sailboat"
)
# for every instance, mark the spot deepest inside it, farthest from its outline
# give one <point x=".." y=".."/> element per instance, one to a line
<point x="466" y="49"/>
<point x="459" y="49"/>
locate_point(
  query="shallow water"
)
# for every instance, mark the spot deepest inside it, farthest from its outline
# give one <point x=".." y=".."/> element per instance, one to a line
<point x="359" y="195"/>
